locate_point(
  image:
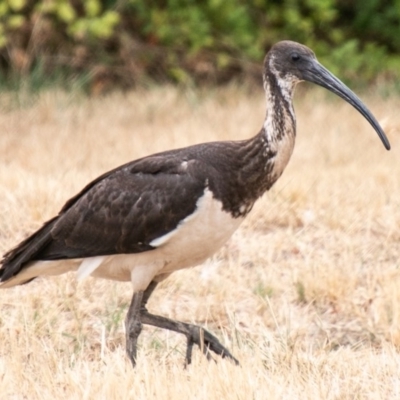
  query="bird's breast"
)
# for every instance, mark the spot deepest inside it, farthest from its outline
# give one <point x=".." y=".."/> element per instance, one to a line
<point x="284" y="149"/>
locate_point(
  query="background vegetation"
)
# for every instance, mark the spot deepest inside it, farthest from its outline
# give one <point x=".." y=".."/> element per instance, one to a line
<point x="135" y="41"/>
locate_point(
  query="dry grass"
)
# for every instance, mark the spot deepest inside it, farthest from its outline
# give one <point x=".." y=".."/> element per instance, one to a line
<point x="306" y="294"/>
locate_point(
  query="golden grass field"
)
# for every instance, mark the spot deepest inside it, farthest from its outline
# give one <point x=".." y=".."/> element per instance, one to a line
<point x="306" y="294"/>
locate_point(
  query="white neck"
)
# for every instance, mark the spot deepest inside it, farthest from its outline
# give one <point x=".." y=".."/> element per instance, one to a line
<point x="280" y="121"/>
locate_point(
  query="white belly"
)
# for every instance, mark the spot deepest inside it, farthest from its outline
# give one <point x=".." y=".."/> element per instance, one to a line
<point x="195" y="239"/>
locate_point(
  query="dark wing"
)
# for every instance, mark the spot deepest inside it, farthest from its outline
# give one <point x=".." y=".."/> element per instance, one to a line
<point x="120" y="212"/>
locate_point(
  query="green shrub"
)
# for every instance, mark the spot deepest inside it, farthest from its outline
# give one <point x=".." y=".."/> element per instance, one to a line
<point x="128" y="41"/>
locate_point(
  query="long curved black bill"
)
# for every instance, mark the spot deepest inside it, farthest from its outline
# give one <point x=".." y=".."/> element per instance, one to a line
<point x="318" y="74"/>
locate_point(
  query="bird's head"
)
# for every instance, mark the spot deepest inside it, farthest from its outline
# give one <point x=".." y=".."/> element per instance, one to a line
<point x="291" y="62"/>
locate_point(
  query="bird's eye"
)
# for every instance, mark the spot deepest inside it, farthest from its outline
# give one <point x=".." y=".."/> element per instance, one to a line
<point x="295" y="56"/>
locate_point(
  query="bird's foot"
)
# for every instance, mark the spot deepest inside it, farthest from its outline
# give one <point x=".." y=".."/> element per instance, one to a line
<point x="206" y="342"/>
<point x="194" y="334"/>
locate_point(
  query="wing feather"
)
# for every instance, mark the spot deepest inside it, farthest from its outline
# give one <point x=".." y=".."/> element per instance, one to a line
<point x="122" y="211"/>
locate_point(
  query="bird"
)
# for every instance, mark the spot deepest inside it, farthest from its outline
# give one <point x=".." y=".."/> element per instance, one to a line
<point x="143" y="220"/>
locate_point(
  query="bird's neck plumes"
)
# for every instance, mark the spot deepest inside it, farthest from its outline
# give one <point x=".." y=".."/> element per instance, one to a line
<point x="277" y="137"/>
<point x="263" y="158"/>
<point x="280" y="118"/>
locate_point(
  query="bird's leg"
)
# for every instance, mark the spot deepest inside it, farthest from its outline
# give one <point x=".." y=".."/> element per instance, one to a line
<point x="133" y="325"/>
<point x="195" y="335"/>
<point x="147" y="293"/>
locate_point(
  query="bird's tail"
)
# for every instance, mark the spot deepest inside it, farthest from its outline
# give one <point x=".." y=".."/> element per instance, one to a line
<point x="16" y="259"/>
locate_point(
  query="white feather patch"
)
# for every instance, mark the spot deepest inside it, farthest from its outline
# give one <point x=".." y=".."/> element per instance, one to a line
<point x="207" y="196"/>
<point x="88" y="266"/>
<point x="163" y="239"/>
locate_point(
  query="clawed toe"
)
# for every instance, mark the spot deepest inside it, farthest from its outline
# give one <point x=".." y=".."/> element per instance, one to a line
<point x="207" y="343"/>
